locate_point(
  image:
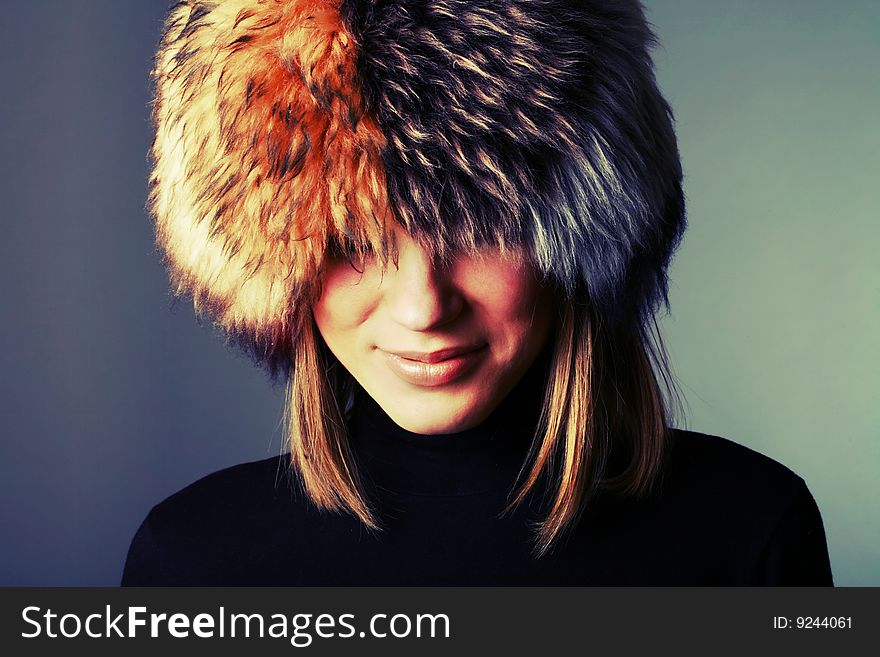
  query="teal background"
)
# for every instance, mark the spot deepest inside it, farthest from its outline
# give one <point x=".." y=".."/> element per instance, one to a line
<point x="775" y="294"/>
<point x="112" y="397"/>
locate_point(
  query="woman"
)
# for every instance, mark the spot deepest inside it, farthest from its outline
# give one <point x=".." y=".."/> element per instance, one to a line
<point x="446" y="225"/>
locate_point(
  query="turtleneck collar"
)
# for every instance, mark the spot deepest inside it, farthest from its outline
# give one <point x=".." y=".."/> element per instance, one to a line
<point x="485" y="458"/>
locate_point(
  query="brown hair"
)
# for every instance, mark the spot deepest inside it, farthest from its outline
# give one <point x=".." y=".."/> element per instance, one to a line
<point x="609" y="392"/>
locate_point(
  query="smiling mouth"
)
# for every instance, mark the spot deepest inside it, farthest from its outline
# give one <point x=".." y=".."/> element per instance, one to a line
<point x="436" y="356"/>
<point x="435" y="368"/>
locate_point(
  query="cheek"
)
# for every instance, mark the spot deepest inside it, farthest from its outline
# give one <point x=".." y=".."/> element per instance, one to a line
<point x="510" y="302"/>
<point x="346" y="302"/>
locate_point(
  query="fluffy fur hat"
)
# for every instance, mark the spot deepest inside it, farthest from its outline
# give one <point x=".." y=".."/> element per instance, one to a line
<point x="284" y="127"/>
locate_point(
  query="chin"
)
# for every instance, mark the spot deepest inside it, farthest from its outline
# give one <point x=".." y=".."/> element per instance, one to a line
<point x="434" y="417"/>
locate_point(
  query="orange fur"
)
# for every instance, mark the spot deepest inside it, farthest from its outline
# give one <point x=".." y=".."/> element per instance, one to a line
<point x="256" y="111"/>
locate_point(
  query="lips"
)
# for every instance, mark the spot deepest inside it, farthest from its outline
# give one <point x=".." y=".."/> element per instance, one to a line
<point x="435" y="356"/>
<point x="436" y="368"/>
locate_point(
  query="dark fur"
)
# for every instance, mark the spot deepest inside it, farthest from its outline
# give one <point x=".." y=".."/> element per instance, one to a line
<point x="570" y="76"/>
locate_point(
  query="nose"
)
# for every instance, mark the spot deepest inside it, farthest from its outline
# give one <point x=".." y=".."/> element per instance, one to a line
<point x="421" y="293"/>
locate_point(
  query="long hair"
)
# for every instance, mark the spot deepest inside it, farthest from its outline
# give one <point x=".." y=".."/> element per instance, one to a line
<point x="609" y="392"/>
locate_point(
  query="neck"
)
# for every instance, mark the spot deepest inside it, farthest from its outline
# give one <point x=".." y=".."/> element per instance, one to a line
<point x="487" y="457"/>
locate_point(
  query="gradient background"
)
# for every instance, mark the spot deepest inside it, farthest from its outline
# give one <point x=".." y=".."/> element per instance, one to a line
<point x="114" y="397"/>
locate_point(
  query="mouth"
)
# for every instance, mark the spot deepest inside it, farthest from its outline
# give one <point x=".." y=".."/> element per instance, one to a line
<point x="436" y="368"/>
<point x="436" y="356"/>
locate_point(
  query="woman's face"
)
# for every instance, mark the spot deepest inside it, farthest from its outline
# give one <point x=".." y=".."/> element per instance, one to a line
<point x="438" y="348"/>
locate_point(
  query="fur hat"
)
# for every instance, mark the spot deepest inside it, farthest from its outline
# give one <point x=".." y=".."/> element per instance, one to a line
<point x="283" y="127"/>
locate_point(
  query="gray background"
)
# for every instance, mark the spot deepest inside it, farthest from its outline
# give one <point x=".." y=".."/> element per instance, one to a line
<point x="113" y="396"/>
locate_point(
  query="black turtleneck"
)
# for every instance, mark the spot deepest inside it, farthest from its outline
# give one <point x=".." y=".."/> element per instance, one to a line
<point x="479" y="461"/>
<point x="726" y="515"/>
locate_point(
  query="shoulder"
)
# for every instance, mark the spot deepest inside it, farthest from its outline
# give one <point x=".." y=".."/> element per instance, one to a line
<point x="211" y="519"/>
<point x="722" y="476"/>
<point x="719" y="463"/>
<point x="233" y="487"/>
<point x="738" y="496"/>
